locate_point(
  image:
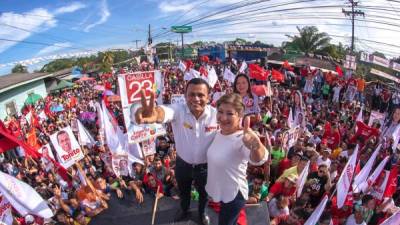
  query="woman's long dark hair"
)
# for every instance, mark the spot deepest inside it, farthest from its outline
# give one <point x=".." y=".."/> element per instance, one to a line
<point x="235" y="90"/>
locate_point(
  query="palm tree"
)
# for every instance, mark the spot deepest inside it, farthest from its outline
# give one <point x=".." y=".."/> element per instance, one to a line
<point x="107" y="61"/>
<point x="309" y="39"/>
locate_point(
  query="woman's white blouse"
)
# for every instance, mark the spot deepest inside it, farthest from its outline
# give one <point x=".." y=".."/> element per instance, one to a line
<point x="227" y="159"/>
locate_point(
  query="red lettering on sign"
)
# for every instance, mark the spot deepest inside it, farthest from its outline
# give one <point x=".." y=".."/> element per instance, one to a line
<point x="71" y="154"/>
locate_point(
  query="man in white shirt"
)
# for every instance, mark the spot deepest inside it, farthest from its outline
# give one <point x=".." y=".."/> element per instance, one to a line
<point x="194" y="125"/>
<point x="356" y="218"/>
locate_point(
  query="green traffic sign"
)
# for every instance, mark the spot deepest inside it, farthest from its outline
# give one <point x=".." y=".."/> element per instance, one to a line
<point x="181" y="29"/>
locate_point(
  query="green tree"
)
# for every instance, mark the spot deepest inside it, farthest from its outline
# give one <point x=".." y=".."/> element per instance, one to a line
<point x="19" y="69"/>
<point x="379" y="54"/>
<point x="309" y="40"/>
<point x="240" y="41"/>
<point x="57" y="65"/>
<point x="107" y="61"/>
<point x="335" y="51"/>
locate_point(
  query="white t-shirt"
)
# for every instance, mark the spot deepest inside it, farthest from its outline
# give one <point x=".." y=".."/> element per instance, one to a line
<point x="320" y="161"/>
<point x="352" y="221"/>
<point x="227" y="160"/>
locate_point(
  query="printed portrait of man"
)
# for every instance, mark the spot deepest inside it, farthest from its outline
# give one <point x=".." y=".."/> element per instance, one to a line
<point x="64" y="141"/>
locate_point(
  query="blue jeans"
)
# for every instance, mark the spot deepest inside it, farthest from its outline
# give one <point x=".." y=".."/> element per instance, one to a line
<point x="229" y="213"/>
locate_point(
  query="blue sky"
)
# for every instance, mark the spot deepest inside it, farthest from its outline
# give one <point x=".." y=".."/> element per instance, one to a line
<point x="33" y="32"/>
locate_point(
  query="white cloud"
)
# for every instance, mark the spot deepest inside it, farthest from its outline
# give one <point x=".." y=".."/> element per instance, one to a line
<point x="70" y="8"/>
<point x="36" y="20"/>
<point x="104" y="15"/>
<point x="53" y="48"/>
<point x="175" y="6"/>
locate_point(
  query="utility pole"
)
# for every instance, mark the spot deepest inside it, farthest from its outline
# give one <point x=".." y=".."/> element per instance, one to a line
<point x="149" y="39"/>
<point x="137" y="41"/>
<point x="182" y="45"/>
<point x="353" y="13"/>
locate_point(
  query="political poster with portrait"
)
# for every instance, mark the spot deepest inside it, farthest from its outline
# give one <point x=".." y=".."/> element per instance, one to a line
<point x="67" y="147"/>
<point x="120" y="164"/>
<point x="178" y="99"/>
<point x="131" y="85"/>
<point x="377" y="116"/>
<point x="290" y="137"/>
<point x="5" y="211"/>
<point x="106" y="157"/>
<point x="47" y="156"/>
<point x="149" y="147"/>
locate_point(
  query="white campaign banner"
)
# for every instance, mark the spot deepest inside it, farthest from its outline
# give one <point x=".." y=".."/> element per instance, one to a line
<point x="178" y="99"/>
<point x="23" y="197"/>
<point x="376" y="116"/>
<point x="5" y="211"/>
<point x="120" y="164"/>
<point x="130" y="87"/>
<point x="345" y="179"/>
<point x="47" y="156"/>
<point x="67" y="147"/>
<point x="149" y="147"/>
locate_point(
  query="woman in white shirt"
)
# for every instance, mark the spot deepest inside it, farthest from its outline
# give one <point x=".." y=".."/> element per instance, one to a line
<point x="228" y="156"/>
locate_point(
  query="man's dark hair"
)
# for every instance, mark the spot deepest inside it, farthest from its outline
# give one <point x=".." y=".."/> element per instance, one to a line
<point x="366" y="199"/>
<point x="198" y="81"/>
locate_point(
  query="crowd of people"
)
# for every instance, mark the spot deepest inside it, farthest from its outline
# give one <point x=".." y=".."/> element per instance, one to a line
<point x="234" y="147"/>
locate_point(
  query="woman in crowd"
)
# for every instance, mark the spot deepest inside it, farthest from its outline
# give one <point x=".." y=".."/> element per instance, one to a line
<point x="228" y="156"/>
<point x="242" y="86"/>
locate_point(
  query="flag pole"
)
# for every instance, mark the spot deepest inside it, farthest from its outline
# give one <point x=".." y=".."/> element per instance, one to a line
<point x="155" y="205"/>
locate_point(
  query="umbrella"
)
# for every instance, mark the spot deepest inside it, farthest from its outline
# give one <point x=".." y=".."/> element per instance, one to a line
<point x="99" y="87"/>
<point x="91" y="116"/>
<point x="114" y="98"/>
<point x="108" y="93"/>
<point x="85" y="78"/>
<point x="57" y="108"/>
<point x="32" y="99"/>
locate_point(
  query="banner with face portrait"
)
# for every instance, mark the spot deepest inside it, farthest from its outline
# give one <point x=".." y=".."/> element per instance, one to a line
<point x="67" y="147"/>
<point x="130" y="85"/>
<point x="149" y="147"/>
<point x="47" y="156"/>
<point x="290" y="137"/>
<point x="378" y="117"/>
<point x="178" y="99"/>
<point x="120" y="164"/>
<point x="5" y="211"/>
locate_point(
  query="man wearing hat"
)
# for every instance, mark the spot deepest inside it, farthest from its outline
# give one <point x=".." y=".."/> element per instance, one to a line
<point x="324" y="157"/>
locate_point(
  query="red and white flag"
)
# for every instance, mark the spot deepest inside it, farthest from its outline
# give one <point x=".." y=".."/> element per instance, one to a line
<point x="392" y="183"/>
<point x="243" y="67"/>
<point x="313" y="219"/>
<point x="23" y="197"/>
<point x="5" y="211"/>
<point x="84" y="136"/>
<point x="345" y="179"/>
<point x="393" y="220"/>
<point x="378" y="189"/>
<point x="302" y="179"/>
<point x="182" y="66"/>
<point x="229" y="76"/>
<point x="362" y="176"/>
<point x="212" y="77"/>
<point x="374" y="176"/>
<point x="192" y="73"/>
<point x="113" y="134"/>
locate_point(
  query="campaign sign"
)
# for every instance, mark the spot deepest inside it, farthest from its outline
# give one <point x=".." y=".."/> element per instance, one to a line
<point x="149" y="147"/>
<point x="67" y="147"/>
<point x="178" y="99"/>
<point x="130" y="86"/>
<point x="135" y="82"/>
<point x="376" y="116"/>
<point x="120" y="164"/>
